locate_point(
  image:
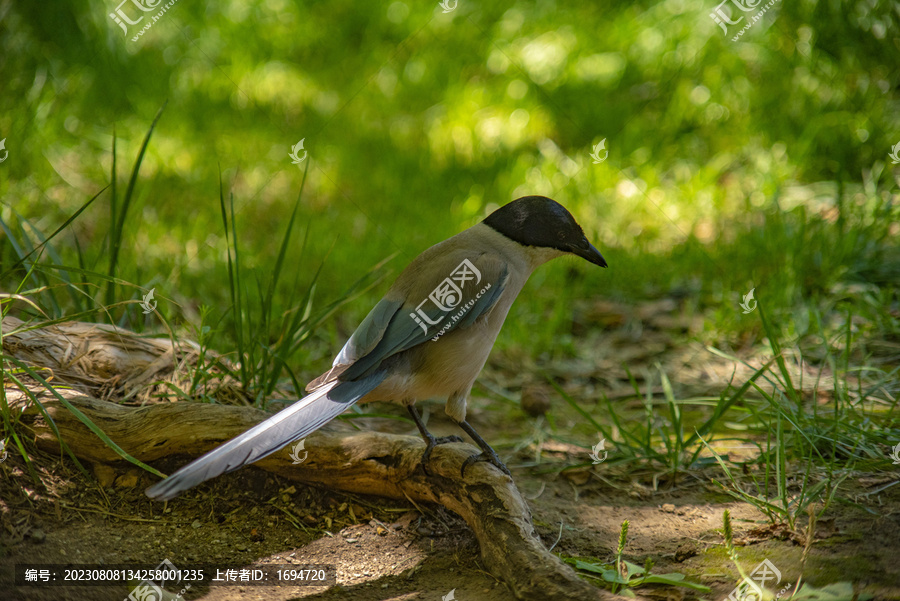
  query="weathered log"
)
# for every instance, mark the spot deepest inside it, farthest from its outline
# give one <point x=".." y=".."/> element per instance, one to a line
<point x="106" y="362"/>
<point x="370" y="463"/>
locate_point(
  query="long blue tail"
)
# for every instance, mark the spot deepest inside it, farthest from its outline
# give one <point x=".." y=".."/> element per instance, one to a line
<point x="292" y="423"/>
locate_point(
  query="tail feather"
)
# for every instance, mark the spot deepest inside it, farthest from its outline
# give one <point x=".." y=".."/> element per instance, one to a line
<point x="292" y="423"/>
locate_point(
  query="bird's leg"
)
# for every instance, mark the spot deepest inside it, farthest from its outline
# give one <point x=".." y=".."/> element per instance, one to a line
<point x="430" y="440"/>
<point x="487" y="453"/>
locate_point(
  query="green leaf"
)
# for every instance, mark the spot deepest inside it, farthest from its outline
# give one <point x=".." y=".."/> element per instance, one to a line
<point x="674" y="579"/>
<point x="839" y="591"/>
<point x="589" y="567"/>
<point x="632" y="569"/>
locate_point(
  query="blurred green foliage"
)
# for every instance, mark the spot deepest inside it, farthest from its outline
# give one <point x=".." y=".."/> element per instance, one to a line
<point x="756" y="163"/>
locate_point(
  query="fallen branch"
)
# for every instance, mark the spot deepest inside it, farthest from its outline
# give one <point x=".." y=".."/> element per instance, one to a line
<point x="370" y="463"/>
<point x="106" y="362"/>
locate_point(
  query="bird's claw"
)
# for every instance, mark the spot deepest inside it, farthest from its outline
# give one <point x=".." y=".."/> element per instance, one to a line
<point x="490" y="457"/>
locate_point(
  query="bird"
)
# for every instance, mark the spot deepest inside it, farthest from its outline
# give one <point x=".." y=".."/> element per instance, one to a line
<point x="427" y="338"/>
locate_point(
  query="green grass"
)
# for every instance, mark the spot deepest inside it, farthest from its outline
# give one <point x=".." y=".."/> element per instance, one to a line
<point x="714" y="182"/>
<point x="805" y="448"/>
<point x="266" y="332"/>
<point x="623" y="575"/>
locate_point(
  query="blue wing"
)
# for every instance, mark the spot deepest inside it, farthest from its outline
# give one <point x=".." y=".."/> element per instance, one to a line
<point x="392" y="327"/>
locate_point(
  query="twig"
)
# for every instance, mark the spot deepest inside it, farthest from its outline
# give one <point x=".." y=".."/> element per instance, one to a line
<point x="558" y="537"/>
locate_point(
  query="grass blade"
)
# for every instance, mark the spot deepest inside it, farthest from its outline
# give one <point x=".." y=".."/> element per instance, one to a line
<point x="119" y="225"/>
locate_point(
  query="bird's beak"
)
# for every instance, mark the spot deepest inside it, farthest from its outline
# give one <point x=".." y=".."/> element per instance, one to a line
<point x="586" y="251"/>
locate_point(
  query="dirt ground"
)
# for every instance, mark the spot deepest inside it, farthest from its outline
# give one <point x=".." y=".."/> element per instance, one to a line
<point x="385" y="550"/>
<point x="389" y="550"/>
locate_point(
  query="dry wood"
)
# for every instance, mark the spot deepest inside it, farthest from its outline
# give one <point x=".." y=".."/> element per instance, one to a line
<point x="367" y="463"/>
<point x="106" y="362"/>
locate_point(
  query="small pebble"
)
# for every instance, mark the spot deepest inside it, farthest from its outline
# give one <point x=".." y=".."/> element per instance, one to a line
<point x="535" y="399"/>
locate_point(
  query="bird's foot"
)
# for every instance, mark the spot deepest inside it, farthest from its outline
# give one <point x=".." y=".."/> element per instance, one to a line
<point x="489" y="456"/>
<point x="430" y="440"/>
<point x="446" y="439"/>
<point x="433" y="442"/>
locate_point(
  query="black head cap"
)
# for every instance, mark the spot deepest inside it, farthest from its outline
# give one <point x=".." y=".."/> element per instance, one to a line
<point x="543" y="222"/>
